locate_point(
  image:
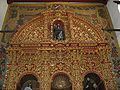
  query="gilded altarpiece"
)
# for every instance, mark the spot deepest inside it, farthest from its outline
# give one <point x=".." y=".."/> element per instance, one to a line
<point x="85" y="49"/>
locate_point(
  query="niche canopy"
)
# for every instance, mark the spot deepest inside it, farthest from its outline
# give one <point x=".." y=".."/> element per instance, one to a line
<point x="93" y="1"/>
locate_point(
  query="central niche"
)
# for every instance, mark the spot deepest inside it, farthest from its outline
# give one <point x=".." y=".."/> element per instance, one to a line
<point x="61" y="82"/>
<point x="58" y="30"/>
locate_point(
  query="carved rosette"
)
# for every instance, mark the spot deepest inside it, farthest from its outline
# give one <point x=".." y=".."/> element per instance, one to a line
<point x="33" y="51"/>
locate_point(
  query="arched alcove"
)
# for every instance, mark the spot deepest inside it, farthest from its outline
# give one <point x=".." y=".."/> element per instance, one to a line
<point x="58" y="30"/>
<point x="61" y="82"/>
<point x="28" y="81"/>
<point x="93" y="82"/>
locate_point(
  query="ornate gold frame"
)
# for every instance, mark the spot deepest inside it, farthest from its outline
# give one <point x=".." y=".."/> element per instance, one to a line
<point x="32" y="51"/>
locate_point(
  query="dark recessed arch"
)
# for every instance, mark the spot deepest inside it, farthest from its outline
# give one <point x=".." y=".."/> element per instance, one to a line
<point x="61" y="82"/>
<point x="28" y="81"/>
<point x="93" y="82"/>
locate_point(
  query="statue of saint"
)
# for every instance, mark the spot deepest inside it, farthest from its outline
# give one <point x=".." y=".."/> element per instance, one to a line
<point x="90" y="84"/>
<point x="58" y="33"/>
<point x="28" y="87"/>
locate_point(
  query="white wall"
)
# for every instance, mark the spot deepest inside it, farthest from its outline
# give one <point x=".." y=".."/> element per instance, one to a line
<point x="3" y="9"/>
<point x="115" y="16"/>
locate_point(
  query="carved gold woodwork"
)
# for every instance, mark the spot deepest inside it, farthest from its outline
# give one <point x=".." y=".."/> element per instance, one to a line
<point x="33" y="51"/>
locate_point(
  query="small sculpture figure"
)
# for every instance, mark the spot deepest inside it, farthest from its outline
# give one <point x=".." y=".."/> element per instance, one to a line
<point x="28" y="87"/>
<point x="58" y="33"/>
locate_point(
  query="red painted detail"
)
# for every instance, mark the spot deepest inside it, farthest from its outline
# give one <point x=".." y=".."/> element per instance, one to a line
<point x="99" y="1"/>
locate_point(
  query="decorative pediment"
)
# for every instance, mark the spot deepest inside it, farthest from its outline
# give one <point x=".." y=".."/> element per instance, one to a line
<point x="40" y="29"/>
<point x="83" y="31"/>
<point x="32" y="32"/>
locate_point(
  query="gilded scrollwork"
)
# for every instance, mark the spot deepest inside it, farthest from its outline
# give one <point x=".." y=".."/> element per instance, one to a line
<point x="73" y="66"/>
<point x="84" y="50"/>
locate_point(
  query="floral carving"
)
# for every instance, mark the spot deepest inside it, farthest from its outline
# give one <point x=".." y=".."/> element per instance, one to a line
<point x="84" y="50"/>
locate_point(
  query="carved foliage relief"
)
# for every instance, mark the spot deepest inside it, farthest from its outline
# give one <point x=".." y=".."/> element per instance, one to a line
<point x="78" y="30"/>
<point x="46" y="63"/>
<point x="84" y="49"/>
